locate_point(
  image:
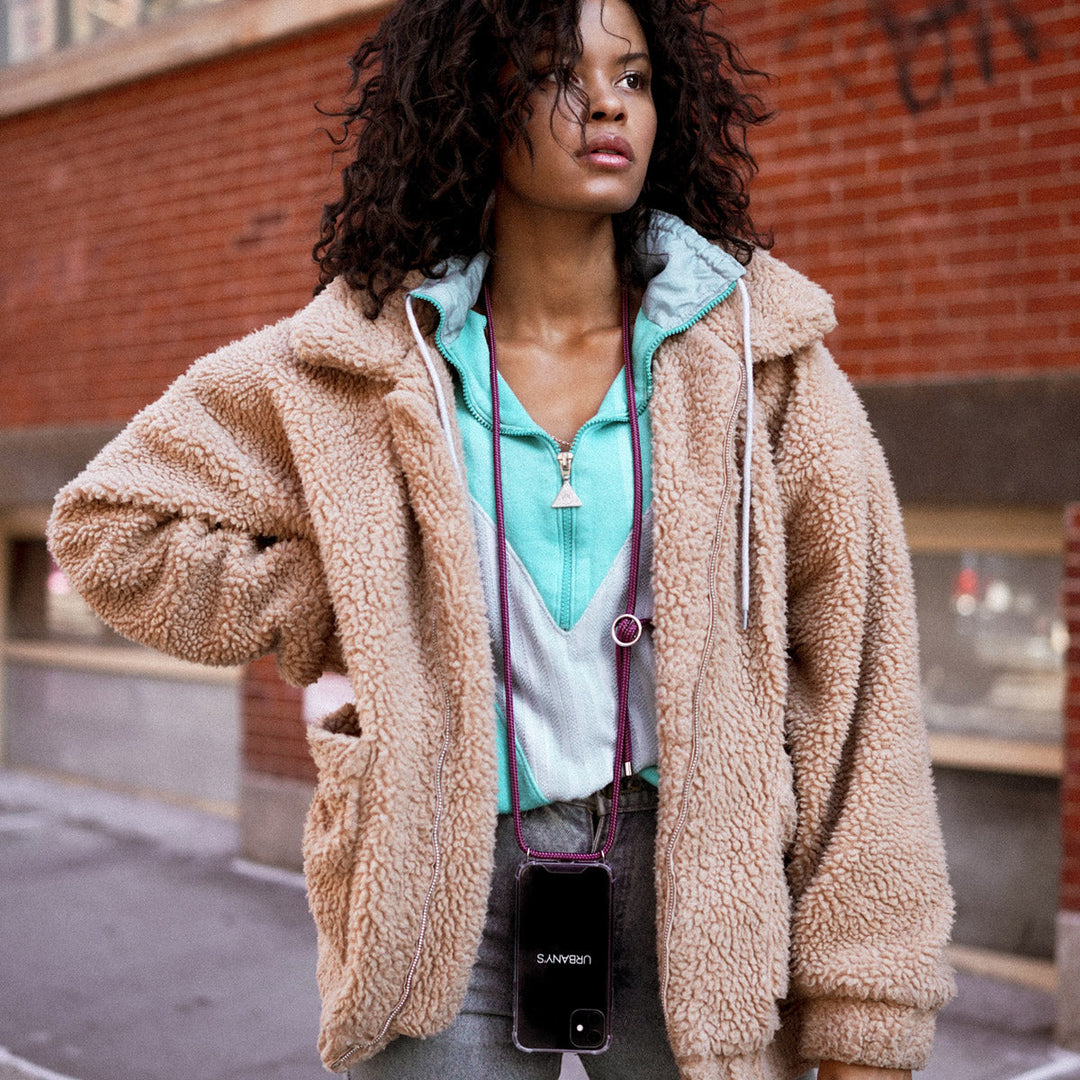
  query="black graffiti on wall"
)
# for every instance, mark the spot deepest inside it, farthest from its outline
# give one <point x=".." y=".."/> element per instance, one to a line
<point x="937" y="25"/>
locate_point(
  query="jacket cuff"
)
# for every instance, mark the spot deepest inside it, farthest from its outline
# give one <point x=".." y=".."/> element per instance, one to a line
<point x="866" y="1033"/>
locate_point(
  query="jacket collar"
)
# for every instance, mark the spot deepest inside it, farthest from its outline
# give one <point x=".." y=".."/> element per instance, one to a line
<point x="333" y="331"/>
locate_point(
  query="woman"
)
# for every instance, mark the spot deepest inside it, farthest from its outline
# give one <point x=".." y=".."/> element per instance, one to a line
<point x="401" y="502"/>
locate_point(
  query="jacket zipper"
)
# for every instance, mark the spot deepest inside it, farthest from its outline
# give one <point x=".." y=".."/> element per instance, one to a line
<point x="683" y="327"/>
<point x="566" y="461"/>
<point x="436" y="868"/>
<point x="695" y="708"/>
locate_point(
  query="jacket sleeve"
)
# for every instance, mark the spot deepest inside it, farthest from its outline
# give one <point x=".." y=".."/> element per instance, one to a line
<point x="871" y="900"/>
<point x="189" y="531"/>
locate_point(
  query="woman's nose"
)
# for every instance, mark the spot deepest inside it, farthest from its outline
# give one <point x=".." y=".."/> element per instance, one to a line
<point x="605" y="103"/>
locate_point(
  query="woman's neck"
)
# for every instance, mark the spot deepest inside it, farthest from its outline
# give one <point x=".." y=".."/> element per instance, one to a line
<point x="554" y="274"/>
<point x="555" y="298"/>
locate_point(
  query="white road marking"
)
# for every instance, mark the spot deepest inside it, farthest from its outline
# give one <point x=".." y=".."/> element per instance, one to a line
<point x="15" y="1068"/>
<point x="1063" y="1062"/>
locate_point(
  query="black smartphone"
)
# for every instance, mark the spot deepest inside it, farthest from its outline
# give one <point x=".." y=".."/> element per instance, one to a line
<point x="562" y="964"/>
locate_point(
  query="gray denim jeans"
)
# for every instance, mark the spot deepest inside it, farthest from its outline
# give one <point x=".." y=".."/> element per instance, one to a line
<point x="478" y="1045"/>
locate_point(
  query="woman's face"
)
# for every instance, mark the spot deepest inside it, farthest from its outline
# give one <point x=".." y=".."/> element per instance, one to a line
<point x="589" y="159"/>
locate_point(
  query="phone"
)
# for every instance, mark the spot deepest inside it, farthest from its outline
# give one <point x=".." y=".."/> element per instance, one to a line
<point x="562" y="961"/>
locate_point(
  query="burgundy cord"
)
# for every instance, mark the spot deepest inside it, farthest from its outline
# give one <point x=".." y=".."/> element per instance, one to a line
<point x="626" y="629"/>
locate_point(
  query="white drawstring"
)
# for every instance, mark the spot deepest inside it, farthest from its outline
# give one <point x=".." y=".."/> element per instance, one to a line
<point x="748" y="443"/>
<point x="436" y="382"/>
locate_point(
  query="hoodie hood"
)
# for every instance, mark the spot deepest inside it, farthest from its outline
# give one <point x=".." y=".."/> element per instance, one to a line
<point x="685" y="275"/>
<point x="789" y="311"/>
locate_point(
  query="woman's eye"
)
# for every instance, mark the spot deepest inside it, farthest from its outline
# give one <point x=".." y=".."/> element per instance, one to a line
<point x="634" y="80"/>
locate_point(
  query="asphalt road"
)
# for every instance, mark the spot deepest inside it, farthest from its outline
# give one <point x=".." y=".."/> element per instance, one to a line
<point x="135" y="946"/>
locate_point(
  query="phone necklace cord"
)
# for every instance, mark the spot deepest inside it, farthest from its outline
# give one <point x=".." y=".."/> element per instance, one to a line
<point x="625" y="630"/>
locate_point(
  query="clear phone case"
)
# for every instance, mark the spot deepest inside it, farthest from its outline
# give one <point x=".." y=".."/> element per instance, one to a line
<point x="562" y="968"/>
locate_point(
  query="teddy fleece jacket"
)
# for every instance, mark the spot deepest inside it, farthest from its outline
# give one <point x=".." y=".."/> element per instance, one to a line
<point x="293" y="492"/>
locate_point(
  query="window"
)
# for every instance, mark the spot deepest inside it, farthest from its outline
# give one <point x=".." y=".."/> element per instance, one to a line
<point x="992" y="632"/>
<point x="56" y="50"/>
<point x="993" y="644"/>
<point x="32" y="28"/>
<point x="78" y="699"/>
<point x="44" y="621"/>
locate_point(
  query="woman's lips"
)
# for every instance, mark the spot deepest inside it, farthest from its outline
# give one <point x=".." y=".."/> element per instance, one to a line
<point x="609" y="152"/>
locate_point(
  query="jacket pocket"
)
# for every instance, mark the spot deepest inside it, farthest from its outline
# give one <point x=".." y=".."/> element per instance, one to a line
<point x="332" y="833"/>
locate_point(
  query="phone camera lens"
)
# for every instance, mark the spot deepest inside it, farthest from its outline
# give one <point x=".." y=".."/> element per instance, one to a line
<point x="588" y="1029"/>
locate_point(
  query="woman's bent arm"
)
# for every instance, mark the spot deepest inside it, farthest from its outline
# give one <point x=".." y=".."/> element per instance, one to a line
<point x="189" y="532"/>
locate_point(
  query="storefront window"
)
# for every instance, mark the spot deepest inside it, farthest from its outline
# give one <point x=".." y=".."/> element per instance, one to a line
<point x="78" y="699"/>
<point x="993" y="643"/>
<point x="30" y="29"/>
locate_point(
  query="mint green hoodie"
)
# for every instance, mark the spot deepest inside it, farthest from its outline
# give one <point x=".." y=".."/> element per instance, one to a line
<point x="568" y="566"/>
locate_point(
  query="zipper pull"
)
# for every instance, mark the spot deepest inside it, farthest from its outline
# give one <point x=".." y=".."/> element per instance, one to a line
<point x="567" y="497"/>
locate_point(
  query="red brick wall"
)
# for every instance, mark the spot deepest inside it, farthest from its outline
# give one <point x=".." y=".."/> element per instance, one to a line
<point x="146" y="225"/>
<point x="1070" y="784"/>
<point x="274" y="741"/>
<point x="943" y="217"/>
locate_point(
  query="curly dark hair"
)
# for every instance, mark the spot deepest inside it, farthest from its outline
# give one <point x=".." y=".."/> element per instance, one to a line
<point x="441" y="80"/>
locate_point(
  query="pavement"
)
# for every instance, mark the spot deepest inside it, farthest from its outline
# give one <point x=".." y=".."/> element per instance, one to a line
<point x="135" y="945"/>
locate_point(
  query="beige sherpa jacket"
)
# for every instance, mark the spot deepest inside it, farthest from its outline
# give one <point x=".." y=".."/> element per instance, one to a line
<point x="294" y="492"/>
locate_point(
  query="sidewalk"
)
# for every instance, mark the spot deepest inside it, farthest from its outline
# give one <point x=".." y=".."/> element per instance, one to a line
<point x="135" y="946"/>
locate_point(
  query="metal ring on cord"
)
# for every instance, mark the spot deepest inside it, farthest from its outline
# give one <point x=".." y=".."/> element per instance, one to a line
<point x="615" y="630"/>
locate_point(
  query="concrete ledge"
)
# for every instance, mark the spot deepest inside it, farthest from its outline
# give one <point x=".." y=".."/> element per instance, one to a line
<point x="1001" y="441"/>
<point x="272" y="812"/>
<point x="1018" y="971"/>
<point x="996" y="755"/>
<point x="36" y="462"/>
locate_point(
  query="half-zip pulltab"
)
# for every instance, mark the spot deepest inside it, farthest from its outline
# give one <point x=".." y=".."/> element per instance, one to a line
<point x="436" y="869"/>
<point x="567" y="497"/>
<point x="695" y="708"/>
